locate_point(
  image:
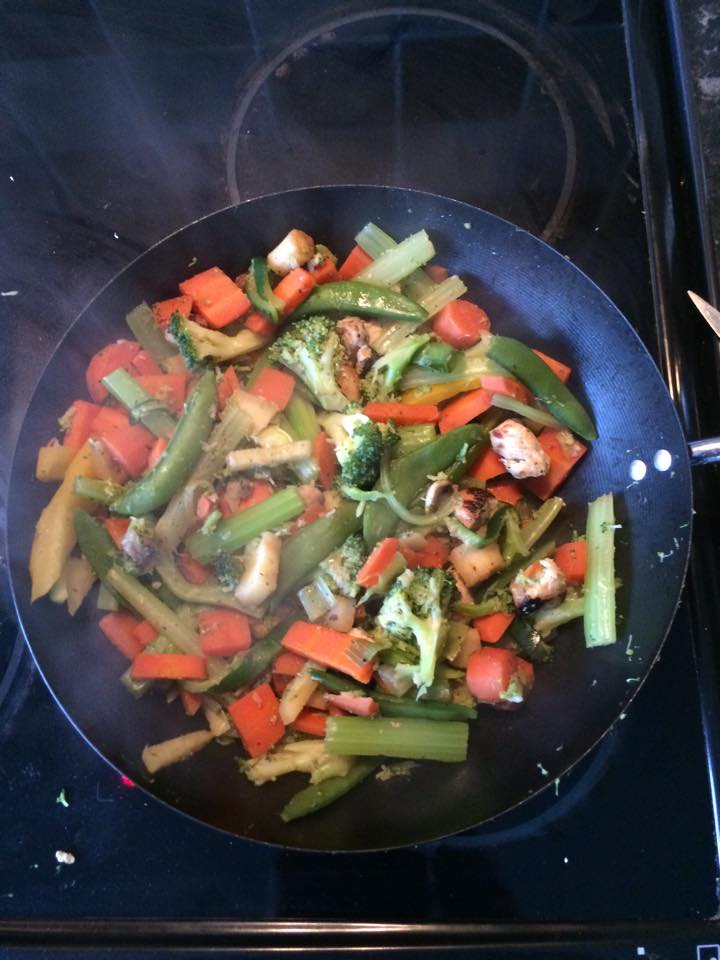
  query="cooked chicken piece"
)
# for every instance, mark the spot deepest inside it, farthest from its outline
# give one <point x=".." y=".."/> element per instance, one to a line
<point x="295" y="250"/>
<point x="475" y="507"/>
<point x="349" y="382"/>
<point x="540" y="581"/>
<point x="354" y="336"/>
<point x="519" y="450"/>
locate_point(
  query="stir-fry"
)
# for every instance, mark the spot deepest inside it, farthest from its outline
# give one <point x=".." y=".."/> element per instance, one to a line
<point x="319" y="502"/>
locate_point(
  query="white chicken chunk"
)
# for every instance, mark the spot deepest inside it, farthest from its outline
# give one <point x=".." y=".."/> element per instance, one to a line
<point x="519" y="450"/>
<point x="295" y="250"/>
<point x="540" y="581"/>
<point x="355" y="339"/>
<point x="259" y="578"/>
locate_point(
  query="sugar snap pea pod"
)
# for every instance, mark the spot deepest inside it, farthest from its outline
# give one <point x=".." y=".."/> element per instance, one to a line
<point x="305" y="549"/>
<point x="95" y="544"/>
<point x="209" y="593"/>
<point x="361" y="300"/>
<point x="543" y="383"/>
<point x="181" y="454"/>
<point x="320" y="795"/>
<point x="408" y="475"/>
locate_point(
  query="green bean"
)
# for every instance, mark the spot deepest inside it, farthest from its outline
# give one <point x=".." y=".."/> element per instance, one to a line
<point x="182" y="453"/>
<point x="543" y="383"/>
<point x="408" y="475"/>
<point x="150" y="337"/>
<point x="304" y="550"/>
<point x="320" y="795"/>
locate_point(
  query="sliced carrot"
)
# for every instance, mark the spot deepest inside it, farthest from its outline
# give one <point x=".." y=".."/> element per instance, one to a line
<point x="434" y="553"/>
<point x="436" y="272"/>
<point x="207" y="502"/>
<point x="129" y="447"/>
<point x="273" y="385"/>
<point x="217" y="299"/>
<point x="326" y="273"/>
<point x="294" y="288"/>
<point x="145" y="633"/>
<point x="259" y="324"/>
<point x="82" y="418"/>
<point x="112" y="357"/>
<point x="191" y="702"/>
<point x="356" y="261"/>
<point x="489" y="671"/>
<point x="493" y="626"/>
<point x="487" y="466"/>
<point x="324" y="455"/>
<point x="561" y="370"/>
<point x="168" y="666"/>
<point x="119" y="627"/>
<point x="223" y="633"/>
<point x="168" y="388"/>
<point x="109" y="418"/>
<point x="572" y="560"/>
<point x="507" y="386"/>
<point x="378" y="561"/>
<point x="564" y="451"/>
<point x="143" y="365"/>
<point x="257" y="719"/>
<point x="311" y="722"/>
<point x="466" y="408"/>
<point x="117" y="528"/>
<point x="279" y="683"/>
<point x="164" y="309"/>
<point x="230" y="501"/>
<point x="404" y="414"/>
<point x="227" y="386"/>
<point x="288" y="664"/>
<point x="509" y="491"/>
<point x="156" y="451"/>
<point x="461" y="324"/>
<point x="350" y="703"/>
<point x="191" y="569"/>
<point x="326" y="646"/>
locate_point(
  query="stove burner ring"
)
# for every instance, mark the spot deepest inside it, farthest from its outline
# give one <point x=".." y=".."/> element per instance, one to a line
<point x="552" y="228"/>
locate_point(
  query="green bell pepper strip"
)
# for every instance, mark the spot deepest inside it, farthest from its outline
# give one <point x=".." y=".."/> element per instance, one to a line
<point x="396" y="706"/>
<point x="494" y="604"/>
<point x="180" y="456"/>
<point x="359" y="299"/>
<point x="152" y="413"/>
<point x="529" y="643"/>
<point x="477" y="541"/>
<point x="320" y="795"/>
<point x="502" y="581"/>
<point x="238" y="530"/>
<point x="408" y="475"/>
<point x="519" y="360"/>
<point x="307" y="548"/>
<point x="252" y="664"/>
<point x="259" y="291"/>
<point x="150" y="337"/>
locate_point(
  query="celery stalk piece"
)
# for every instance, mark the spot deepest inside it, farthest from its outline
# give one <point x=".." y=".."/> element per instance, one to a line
<point x="141" y="406"/>
<point x="374" y="241"/>
<point x="599" y="615"/>
<point x="151" y="338"/>
<point x="542" y="520"/>
<point x="400" y="261"/>
<point x="443" y="740"/>
<point x="545" y="419"/>
<point x="442" y="294"/>
<point x="302" y="418"/>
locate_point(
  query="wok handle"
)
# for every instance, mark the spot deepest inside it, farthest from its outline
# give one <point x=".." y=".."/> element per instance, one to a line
<point x="704" y="451"/>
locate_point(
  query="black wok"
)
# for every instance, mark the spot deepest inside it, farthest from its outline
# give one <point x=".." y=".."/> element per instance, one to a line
<point x="529" y="291"/>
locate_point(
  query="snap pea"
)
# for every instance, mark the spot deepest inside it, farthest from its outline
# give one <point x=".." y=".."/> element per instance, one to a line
<point x="250" y="665"/>
<point x="360" y="299"/>
<point x="304" y="550"/>
<point x="208" y="594"/>
<point x="182" y="452"/>
<point x="542" y="382"/>
<point x="437" y="355"/>
<point x="407" y="475"/>
<point x="321" y="795"/>
<point x="95" y="544"/>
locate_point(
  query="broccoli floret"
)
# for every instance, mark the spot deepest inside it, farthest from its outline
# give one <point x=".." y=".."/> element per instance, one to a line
<point x="343" y="565"/>
<point x="360" y="467"/>
<point x="387" y="370"/>
<point x="313" y="351"/>
<point x="197" y="344"/>
<point x="228" y="570"/>
<point x="415" y="610"/>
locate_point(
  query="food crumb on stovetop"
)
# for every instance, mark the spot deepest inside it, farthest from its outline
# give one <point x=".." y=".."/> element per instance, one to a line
<point x="64" y="856"/>
<point x="62" y="799"/>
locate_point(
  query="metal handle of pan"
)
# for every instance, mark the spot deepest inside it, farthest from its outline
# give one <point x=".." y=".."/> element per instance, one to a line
<point x="704" y="451"/>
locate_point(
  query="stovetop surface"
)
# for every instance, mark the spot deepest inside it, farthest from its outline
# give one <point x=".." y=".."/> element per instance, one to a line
<point x="122" y="122"/>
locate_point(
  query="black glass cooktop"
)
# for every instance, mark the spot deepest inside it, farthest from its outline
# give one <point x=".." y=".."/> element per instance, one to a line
<point x="122" y="121"/>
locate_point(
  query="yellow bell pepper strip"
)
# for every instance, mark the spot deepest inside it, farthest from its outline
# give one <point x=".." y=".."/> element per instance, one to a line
<point x="439" y="392"/>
